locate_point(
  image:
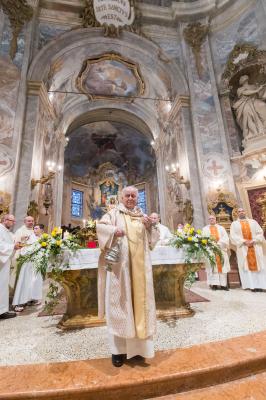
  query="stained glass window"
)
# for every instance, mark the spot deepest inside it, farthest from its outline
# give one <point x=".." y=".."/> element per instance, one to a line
<point x="77" y="203"/>
<point x="142" y="200"/>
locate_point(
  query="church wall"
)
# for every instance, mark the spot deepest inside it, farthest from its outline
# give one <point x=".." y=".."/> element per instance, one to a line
<point x="208" y="128"/>
<point x="13" y="98"/>
<point x="244" y="24"/>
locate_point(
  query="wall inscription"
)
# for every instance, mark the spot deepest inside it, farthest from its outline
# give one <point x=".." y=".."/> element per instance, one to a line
<point x="114" y="12"/>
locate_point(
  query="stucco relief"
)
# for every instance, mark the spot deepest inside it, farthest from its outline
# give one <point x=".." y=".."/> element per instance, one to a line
<point x="9" y="81"/>
<point x="250" y="108"/>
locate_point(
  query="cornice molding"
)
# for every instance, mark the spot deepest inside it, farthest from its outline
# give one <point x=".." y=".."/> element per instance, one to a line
<point x="37" y="88"/>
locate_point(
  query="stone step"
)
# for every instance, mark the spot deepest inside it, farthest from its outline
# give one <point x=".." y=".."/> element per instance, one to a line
<point x="175" y="371"/>
<point x="250" y="388"/>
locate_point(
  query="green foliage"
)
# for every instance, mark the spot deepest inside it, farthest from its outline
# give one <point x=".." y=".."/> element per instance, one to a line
<point x="197" y="247"/>
<point x="50" y="254"/>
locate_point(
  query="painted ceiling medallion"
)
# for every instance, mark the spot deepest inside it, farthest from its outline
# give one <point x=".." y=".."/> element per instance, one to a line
<point x="110" y="76"/>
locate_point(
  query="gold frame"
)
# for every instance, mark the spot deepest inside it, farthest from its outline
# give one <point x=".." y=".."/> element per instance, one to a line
<point x="222" y="196"/>
<point x="243" y="192"/>
<point x="5" y="202"/>
<point x="107" y="57"/>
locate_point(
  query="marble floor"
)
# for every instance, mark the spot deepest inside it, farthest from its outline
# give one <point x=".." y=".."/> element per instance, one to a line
<point x="30" y="339"/>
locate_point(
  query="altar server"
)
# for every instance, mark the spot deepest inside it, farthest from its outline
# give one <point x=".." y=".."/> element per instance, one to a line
<point x="165" y="234"/>
<point x="126" y="292"/>
<point x="30" y="283"/>
<point x="217" y="276"/>
<point x="7" y="247"/>
<point x="247" y="235"/>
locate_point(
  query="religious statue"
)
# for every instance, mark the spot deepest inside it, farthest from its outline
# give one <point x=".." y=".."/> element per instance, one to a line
<point x="223" y="218"/>
<point x="250" y="108"/>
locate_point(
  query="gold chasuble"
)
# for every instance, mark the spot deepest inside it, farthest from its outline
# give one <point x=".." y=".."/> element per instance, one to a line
<point x="135" y="235"/>
<point x="251" y="255"/>
<point x="215" y="233"/>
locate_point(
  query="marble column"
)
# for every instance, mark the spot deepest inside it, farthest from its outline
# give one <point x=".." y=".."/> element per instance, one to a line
<point x="209" y="137"/>
<point x="59" y="184"/>
<point x="162" y="189"/>
<point x="30" y="159"/>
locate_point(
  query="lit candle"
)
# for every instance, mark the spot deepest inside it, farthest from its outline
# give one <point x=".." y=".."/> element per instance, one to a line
<point x="84" y="223"/>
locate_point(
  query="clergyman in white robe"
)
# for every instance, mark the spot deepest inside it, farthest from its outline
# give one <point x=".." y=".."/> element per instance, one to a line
<point x="251" y="263"/>
<point x="30" y="284"/>
<point x="217" y="276"/>
<point x="21" y="235"/>
<point x="7" y="245"/>
<point x="165" y="234"/>
<point x="126" y="293"/>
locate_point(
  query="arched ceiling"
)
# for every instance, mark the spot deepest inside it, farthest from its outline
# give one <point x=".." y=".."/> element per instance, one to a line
<point x="94" y="144"/>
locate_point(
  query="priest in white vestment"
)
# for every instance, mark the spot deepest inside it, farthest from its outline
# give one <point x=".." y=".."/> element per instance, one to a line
<point x="21" y="235"/>
<point x="126" y="293"/>
<point x="217" y="276"/>
<point x="30" y="283"/>
<point x="165" y="234"/>
<point x="7" y="248"/>
<point x="247" y="235"/>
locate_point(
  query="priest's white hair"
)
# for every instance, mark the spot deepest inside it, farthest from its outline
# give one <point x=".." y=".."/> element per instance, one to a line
<point x="129" y="188"/>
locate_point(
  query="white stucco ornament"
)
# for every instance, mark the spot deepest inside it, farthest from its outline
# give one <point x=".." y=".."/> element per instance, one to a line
<point x="114" y="12"/>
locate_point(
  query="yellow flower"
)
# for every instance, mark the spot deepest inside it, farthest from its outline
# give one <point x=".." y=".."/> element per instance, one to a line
<point x="189" y="239"/>
<point x="58" y="242"/>
<point x="199" y="232"/>
<point x="204" y="241"/>
<point x="43" y="244"/>
<point x="191" y="231"/>
<point x="54" y="233"/>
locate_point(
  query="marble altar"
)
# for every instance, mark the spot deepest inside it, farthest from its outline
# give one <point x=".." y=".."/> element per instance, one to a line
<point x="79" y="281"/>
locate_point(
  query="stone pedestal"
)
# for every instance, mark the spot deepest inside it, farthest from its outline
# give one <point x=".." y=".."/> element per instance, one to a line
<point x="169" y="290"/>
<point x="81" y="292"/>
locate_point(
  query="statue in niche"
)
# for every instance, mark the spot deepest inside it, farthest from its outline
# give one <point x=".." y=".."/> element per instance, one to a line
<point x="250" y="108"/>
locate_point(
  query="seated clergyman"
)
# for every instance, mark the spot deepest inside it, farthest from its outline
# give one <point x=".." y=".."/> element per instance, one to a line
<point x="126" y="291"/>
<point x="165" y="234"/>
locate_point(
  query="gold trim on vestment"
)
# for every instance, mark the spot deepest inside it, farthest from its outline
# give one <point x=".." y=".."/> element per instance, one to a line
<point x="136" y="238"/>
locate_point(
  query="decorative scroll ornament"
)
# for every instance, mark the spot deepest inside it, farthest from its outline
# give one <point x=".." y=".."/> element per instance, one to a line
<point x="18" y="12"/>
<point x="5" y="201"/>
<point x="242" y="56"/>
<point x="224" y="205"/>
<point x="195" y="34"/>
<point x="113" y="15"/>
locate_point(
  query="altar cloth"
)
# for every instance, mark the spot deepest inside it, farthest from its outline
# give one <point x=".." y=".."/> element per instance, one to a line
<point x="160" y="255"/>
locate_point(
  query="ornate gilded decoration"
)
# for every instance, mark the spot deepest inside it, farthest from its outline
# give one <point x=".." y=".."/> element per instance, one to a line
<point x="195" y="34"/>
<point x="33" y="210"/>
<point x="262" y="202"/>
<point x="106" y="11"/>
<point x="18" y="12"/>
<point x="110" y="76"/>
<point x="43" y="179"/>
<point x="224" y="205"/>
<point x="5" y="200"/>
<point x="88" y="16"/>
<point x="242" y="56"/>
<point x="188" y="212"/>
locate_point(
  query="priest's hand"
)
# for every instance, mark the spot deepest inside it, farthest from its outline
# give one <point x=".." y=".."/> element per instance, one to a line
<point x="119" y="232"/>
<point x="17" y="246"/>
<point x="147" y="222"/>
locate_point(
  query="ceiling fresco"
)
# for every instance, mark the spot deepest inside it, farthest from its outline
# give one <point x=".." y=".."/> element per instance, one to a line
<point x="97" y="143"/>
